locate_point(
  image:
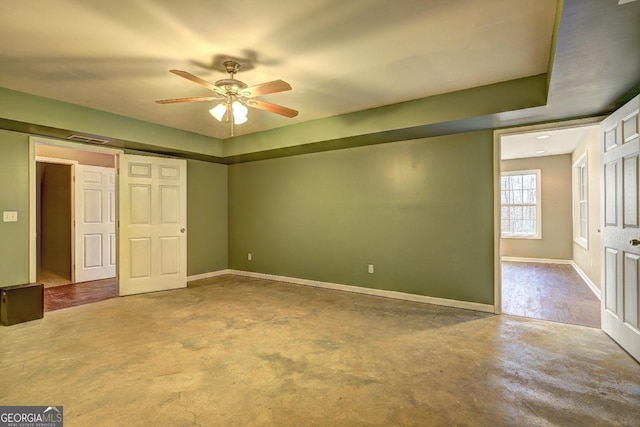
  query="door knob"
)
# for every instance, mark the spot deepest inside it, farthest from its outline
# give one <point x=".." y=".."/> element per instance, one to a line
<point x="634" y="242"/>
<point x="182" y="230"/>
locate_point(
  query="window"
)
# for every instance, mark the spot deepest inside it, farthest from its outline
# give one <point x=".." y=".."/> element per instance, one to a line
<point x="520" y="204"/>
<point x="581" y="202"/>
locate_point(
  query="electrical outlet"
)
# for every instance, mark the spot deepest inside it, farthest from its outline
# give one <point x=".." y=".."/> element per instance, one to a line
<point x="10" y="216"/>
<point x="249" y="257"/>
<point x="370" y="268"/>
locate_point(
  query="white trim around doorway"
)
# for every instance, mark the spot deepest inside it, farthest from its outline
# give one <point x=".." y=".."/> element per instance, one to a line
<point x="497" y="135"/>
<point x="37" y="140"/>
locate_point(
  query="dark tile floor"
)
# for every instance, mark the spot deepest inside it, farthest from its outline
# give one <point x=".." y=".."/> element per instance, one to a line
<point x="549" y="292"/>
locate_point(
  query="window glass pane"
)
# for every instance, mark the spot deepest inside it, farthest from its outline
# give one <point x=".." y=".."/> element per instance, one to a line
<point x="529" y="213"/>
<point x="516" y="212"/>
<point x="583" y="219"/>
<point x="583" y="183"/>
<point x="517" y="226"/>
<point x="516" y="182"/>
<point x="529" y="227"/>
<point x="529" y="196"/>
<point x="517" y="197"/>
<point x="528" y="181"/>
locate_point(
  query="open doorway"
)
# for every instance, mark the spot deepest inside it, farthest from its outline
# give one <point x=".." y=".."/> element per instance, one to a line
<point x="75" y="214"/>
<point x="54" y="223"/>
<point x="549" y="198"/>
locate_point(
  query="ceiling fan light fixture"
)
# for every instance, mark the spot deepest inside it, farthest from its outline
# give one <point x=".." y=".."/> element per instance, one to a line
<point x="239" y="110"/>
<point x="239" y="120"/>
<point x="218" y="111"/>
<point x="233" y="96"/>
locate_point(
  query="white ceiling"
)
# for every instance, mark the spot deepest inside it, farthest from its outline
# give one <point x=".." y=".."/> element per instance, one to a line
<point x="549" y="142"/>
<point x="339" y="56"/>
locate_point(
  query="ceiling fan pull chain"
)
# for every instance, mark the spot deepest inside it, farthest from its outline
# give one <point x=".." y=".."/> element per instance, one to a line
<point x="230" y="109"/>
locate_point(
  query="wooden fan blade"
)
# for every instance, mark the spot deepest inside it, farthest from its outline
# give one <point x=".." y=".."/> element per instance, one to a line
<point x="197" y="80"/>
<point x="265" y="88"/>
<point x="196" y="99"/>
<point x="272" y="108"/>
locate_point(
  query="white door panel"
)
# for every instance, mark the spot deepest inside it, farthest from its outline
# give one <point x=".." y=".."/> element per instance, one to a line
<point x="620" y="232"/>
<point x="153" y="240"/>
<point x="94" y="193"/>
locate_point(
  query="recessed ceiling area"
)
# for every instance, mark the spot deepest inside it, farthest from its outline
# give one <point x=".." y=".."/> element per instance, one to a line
<point x="338" y="56"/>
<point x="548" y="142"/>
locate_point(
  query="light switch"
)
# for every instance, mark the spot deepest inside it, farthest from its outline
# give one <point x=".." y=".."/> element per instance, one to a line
<point x="10" y="216"/>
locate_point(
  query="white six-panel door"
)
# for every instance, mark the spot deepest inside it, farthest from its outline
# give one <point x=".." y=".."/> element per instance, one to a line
<point x="95" y="223"/>
<point x="153" y="220"/>
<point x="621" y="226"/>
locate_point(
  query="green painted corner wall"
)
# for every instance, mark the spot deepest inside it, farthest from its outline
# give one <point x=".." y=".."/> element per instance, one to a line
<point x="495" y="98"/>
<point x="206" y="212"/>
<point x="23" y="107"/>
<point x="206" y="217"/>
<point x="14" y="196"/>
<point x="420" y="211"/>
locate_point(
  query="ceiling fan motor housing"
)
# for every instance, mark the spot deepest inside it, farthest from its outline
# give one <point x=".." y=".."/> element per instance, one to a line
<point x="231" y="86"/>
<point x="232" y="67"/>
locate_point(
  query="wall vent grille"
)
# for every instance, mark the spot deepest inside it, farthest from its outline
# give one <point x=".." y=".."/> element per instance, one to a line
<point x="90" y="139"/>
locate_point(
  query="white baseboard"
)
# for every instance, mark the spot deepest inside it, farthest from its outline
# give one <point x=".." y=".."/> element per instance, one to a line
<point x="370" y="291"/>
<point x="208" y="275"/>
<point x="536" y="260"/>
<point x="578" y="270"/>
<point x="588" y="281"/>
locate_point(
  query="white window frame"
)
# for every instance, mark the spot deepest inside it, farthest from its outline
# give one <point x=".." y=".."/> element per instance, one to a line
<point x="538" y="205"/>
<point x="580" y="196"/>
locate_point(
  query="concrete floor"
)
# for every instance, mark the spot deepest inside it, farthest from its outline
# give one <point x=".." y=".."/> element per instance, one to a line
<point x="235" y="351"/>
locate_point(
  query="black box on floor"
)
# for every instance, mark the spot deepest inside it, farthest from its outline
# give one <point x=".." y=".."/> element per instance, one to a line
<point x="21" y="303"/>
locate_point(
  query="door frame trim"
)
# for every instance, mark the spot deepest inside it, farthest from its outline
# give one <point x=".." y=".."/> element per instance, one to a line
<point x="72" y="163"/>
<point x="497" y="241"/>
<point x="38" y="140"/>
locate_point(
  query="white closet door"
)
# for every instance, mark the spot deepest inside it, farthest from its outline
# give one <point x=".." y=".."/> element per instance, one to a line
<point x="153" y="220"/>
<point x="95" y="223"/>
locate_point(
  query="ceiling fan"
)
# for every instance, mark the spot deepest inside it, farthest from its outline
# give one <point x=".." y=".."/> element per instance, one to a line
<point x="235" y="96"/>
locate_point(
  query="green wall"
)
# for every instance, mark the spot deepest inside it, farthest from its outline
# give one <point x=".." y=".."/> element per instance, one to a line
<point x="409" y="118"/>
<point x="14" y="196"/>
<point x="206" y="217"/>
<point x="420" y="211"/>
<point x="40" y="111"/>
<point x="206" y="212"/>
